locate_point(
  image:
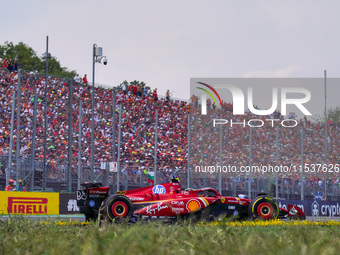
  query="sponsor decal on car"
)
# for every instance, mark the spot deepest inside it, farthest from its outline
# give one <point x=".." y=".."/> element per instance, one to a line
<point x="81" y="195"/>
<point x="92" y="203"/>
<point x="97" y="192"/>
<point x="158" y="189"/>
<point x="150" y="210"/>
<point x="222" y="200"/>
<point x="136" y="198"/>
<point x="178" y="203"/>
<point x="233" y="201"/>
<point x="94" y="196"/>
<point x="193" y="205"/>
<point x="293" y="211"/>
<point x="242" y="202"/>
<point x="177" y="210"/>
<point x="284" y="206"/>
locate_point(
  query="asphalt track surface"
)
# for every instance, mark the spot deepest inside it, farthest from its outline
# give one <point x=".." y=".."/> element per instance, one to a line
<point x="81" y="218"/>
<point x="61" y="217"/>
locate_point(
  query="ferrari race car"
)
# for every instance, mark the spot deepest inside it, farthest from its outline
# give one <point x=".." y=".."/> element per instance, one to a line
<point x="167" y="202"/>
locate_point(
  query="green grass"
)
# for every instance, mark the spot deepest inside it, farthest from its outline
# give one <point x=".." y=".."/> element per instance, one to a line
<point x="25" y="236"/>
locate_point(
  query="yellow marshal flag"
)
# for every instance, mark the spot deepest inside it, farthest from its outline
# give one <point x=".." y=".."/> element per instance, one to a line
<point x="30" y="203"/>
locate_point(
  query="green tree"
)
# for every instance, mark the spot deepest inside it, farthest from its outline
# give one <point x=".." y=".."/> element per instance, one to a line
<point x="333" y="114"/>
<point x="28" y="60"/>
<point x="135" y="82"/>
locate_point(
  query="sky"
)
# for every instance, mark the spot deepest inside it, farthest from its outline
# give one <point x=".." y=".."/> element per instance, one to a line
<point x="302" y="96"/>
<point x="165" y="43"/>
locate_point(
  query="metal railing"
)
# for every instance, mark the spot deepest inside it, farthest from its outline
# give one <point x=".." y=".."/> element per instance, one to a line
<point x="227" y="145"/>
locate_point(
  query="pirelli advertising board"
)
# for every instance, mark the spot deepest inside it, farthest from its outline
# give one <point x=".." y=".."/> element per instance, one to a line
<point x="30" y="203"/>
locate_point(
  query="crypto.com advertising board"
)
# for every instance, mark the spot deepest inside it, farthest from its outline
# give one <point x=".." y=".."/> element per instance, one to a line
<point x="269" y="125"/>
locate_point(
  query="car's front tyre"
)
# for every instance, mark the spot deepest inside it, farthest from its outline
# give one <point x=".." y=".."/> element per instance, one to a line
<point x="264" y="207"/>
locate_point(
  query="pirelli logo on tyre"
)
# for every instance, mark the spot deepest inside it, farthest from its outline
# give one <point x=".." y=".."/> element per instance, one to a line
<point x="30" y="203"/>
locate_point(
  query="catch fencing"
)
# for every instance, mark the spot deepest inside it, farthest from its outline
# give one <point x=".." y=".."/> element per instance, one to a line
<point x="182" y="142"/>
<point x="135" y="177"/>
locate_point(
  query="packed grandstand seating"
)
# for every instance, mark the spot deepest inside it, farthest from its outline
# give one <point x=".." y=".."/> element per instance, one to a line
<point x="138" y="118"/>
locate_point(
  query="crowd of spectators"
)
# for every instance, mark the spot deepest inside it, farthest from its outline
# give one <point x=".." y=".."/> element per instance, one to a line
<point x="138" y="117"/>
<point x="236" y="140"/>
<point x="138" y="128"/>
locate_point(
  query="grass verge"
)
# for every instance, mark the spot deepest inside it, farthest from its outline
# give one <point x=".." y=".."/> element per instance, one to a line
<point x="24" y="236"/>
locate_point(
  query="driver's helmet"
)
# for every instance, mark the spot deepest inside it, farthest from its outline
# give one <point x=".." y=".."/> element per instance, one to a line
<point x="175" y="179"/>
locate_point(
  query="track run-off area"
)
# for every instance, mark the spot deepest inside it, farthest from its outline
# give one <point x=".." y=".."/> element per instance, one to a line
<point x="81" y="218"/>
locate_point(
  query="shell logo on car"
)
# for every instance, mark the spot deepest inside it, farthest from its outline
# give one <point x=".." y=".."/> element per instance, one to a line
<point x="193" y="205"/>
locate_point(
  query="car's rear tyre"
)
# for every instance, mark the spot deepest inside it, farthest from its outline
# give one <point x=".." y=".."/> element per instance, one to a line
<point x="116" y="208"/>
<point x="264" y="207"/>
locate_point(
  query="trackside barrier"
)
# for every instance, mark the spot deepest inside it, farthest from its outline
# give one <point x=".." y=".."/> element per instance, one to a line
<point x="313" y="207"/>
<point x="29" y="203"/>
<point x="68" y="205"/>
<point x="40" y="203"/>
<point x="37" y="203"/>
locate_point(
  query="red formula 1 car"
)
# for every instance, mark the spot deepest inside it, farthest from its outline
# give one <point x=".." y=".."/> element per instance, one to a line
<point x="169" y="203"/>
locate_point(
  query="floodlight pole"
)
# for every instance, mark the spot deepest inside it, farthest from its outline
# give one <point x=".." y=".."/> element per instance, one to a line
<point x="326" y="150"/>
<point x="302" y="166"/>
<point x="250" y="161"/>
<point x="96" y="57"/>
<point x="156" y="143"/>
<point x="188" y="170"/>
<point x="220" y="173"/>
<point x="45" y="115"/>
<point x="18" y="141"/>
<point x="92" y="110"/>
<point x="79" y="143"/>
<point x="9" y="169"/>
<point x="114" y="93"/>
<point x="33" y="140"/>
<point x="119" y="143"/>
<point x="277" y="164"/>
<point x="69" y="145"/>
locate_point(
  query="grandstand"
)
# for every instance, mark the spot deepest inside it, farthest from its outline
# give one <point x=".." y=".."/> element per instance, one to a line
<point x="137" y="143"/>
